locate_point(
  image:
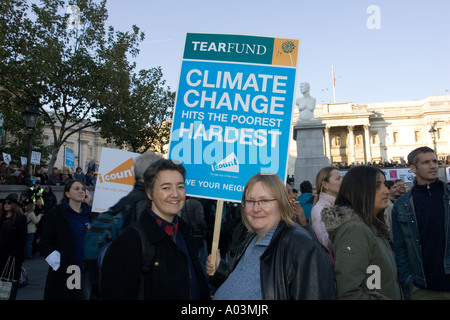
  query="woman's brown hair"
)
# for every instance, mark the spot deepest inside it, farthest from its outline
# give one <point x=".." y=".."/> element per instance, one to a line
<point x="277" y="188"/>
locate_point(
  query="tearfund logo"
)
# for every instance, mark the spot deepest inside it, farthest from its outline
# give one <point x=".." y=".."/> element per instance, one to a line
<point x="285" y="52"/>
<point x="122" y="174"/>
<point x="241" y="48"/>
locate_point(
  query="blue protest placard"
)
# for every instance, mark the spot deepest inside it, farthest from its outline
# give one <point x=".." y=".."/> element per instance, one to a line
<point x="233" y="111"/>
<point x="70" y="158"/>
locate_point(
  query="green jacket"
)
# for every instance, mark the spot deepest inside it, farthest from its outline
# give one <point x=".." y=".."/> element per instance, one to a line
<point x="365" y="265"/>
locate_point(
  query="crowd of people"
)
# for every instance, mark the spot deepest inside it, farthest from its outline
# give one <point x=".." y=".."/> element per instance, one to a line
<point x="357" y="236"/>
<point x="11" y="174"/>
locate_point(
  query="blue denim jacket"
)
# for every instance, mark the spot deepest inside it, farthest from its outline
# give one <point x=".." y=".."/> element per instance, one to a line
<point x="407" y="248"/>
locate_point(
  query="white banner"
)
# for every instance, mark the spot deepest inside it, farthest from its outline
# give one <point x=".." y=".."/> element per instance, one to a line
<point x="115" y="178"/>
<point x="35" y="157"/>
<point x="395" y="173"/>
<point x="6" y="157"/>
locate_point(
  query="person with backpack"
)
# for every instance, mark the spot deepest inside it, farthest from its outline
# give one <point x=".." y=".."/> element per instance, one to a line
<point x="109" y="224"/>
<point x="134" y="202"/>
<point x="306" y="198"/>
<point x="171" y="269"/>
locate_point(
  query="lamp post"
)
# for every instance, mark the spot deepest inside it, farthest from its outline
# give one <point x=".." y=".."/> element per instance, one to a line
<point x="432" y="132"/>
<point x="30" y="116"/>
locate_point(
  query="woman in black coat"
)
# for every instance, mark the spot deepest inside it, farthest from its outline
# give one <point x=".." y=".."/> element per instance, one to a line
<point x="49" y="197"/>
<point x="13" y="233"/>
<point x="175" y="272"/>
<point x="279" y="259"/>
<point x="62" y="243"/>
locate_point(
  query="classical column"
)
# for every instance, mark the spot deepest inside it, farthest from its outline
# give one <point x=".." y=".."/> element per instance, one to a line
<point x="447" y="125"/>
<point x="352" y="144"/>
<point x="367" y="143"/>
<point x="327" y="142"/>
<point x="84" y="153"/>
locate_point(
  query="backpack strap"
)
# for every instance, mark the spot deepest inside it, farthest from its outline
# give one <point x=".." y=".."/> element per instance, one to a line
<point x="311" y="199"/>
<point x="148" y="250"/>
<point x="139" y="207"/>
<point x="148" y="254"/>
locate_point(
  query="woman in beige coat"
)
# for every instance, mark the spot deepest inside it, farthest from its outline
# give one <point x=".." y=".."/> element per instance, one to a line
<point x="32" y="220"/>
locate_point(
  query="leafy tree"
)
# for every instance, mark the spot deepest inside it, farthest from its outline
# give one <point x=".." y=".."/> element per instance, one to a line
<point x="16" y="143"/>
<point x="61" y="57"/>
<point x="139" y="117"/>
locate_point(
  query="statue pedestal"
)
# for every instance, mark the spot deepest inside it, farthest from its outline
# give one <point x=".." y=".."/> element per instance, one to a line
<point x="310" y="152"/>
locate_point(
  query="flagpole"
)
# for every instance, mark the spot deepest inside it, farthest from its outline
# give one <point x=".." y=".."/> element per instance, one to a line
<point x="334" y="84"/>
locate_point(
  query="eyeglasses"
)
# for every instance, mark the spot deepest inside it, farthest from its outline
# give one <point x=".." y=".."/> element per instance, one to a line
<point x="7" y="202"/>
<point x="264" y="203"/>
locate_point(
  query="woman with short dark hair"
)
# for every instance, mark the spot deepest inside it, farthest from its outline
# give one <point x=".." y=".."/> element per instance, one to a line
<point x="174" y="271"/>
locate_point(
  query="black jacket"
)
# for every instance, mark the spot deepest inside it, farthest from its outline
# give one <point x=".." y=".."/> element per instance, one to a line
<point x="132" y="205"/>
<point x="57" y="235"/>
<point x="169" y="275"/>
<point x="193" y="214"/>
<point x="50" y="200"/>
<point x="12" y="242"/>
<point x="293" y="267"/>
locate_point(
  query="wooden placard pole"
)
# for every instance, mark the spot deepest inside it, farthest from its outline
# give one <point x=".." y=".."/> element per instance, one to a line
<point x="216" y="235"/>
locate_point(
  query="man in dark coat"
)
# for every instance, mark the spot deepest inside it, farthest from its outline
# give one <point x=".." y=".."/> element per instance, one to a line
<point x="134" y="202"/>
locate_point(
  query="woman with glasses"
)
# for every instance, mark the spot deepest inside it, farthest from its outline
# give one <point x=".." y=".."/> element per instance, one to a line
<point x="13" y="233"/>
<point x="278" y="260"/>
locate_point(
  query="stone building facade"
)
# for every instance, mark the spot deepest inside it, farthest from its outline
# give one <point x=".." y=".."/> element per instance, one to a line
<point x="86" y="145"/>
<point x="381" y="131"/>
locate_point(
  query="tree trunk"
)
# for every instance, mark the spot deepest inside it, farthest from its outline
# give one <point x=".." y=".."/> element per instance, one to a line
<point x="53" y="158"/>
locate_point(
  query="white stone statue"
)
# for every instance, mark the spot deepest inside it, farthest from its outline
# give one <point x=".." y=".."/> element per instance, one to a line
<point x="306" y="104"/>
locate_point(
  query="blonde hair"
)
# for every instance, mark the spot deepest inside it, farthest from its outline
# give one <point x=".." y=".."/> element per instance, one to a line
<point x="276" y="187"/>
<point x="30" y="207"/>
<point x="324" y="174"/>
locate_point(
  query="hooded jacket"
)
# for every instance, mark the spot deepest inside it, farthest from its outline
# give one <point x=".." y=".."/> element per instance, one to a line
<point x="365" y="266"/>
<point x="288" y="271"/>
